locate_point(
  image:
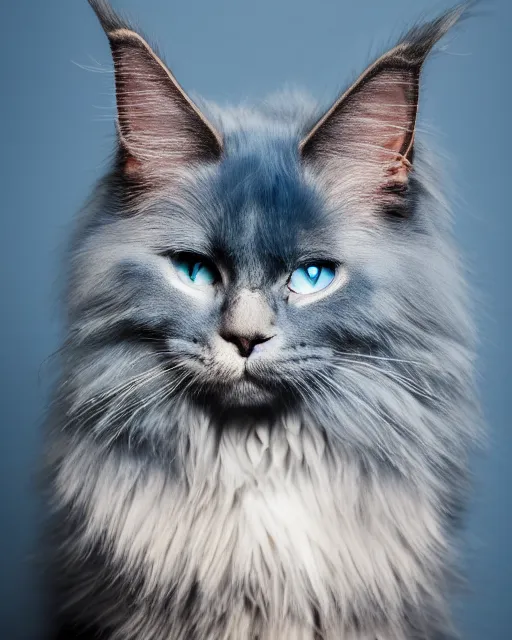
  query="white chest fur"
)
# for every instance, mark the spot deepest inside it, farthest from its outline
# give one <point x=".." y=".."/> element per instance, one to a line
<point x="273" y="513"/>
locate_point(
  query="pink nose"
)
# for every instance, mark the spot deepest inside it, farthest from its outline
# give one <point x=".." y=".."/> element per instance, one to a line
<point x="246" y="345"/>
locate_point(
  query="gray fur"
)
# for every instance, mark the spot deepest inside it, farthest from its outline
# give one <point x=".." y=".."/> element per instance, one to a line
<point x="319" y="498"/>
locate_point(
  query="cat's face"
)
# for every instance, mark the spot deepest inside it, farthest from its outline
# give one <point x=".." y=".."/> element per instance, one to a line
<point x="249" y="283"/>
<point x="266" y="260"/>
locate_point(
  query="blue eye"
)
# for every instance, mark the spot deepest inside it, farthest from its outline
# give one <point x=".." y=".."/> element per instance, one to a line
<point x="312" y="277"/>
<point x="195" y="270"/>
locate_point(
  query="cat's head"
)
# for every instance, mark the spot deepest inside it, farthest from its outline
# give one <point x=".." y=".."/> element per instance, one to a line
<point x="268" y="257"/>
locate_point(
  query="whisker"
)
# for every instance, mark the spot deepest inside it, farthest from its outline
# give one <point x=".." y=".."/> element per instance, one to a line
<point x="385" y="358"/>
<point x="404" y="381"/>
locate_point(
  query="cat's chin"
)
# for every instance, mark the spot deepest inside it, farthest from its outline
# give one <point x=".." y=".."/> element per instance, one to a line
<point x="245" y="393"/>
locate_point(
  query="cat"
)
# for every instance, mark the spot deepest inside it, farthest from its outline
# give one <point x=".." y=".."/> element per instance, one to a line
<point x="267" y="400"/>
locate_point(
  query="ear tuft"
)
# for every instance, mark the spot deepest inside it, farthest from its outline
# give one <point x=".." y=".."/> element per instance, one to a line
<point x="419" y="41"/>
<point x="108" y="18"/>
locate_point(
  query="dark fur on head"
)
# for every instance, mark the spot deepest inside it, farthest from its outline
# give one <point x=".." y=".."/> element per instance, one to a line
<point x="239" y="460"/>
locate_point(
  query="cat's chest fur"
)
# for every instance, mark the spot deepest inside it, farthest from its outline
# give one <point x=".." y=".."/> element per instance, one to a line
<point x="271" y="528"/>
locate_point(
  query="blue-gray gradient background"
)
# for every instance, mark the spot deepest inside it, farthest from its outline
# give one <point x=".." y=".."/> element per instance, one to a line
<point x="58" y="132"/>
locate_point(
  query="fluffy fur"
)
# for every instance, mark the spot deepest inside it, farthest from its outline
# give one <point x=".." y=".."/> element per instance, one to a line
<point x="314" y="489"/>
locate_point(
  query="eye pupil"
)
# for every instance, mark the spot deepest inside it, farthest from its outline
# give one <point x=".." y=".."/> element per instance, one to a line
<point x="194" y="270"/>
<point x="313" y="272"/>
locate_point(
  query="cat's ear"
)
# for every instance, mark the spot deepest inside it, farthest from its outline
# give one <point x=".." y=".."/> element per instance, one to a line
<point x="160" y="128"/>
<point x="366" y="138"/>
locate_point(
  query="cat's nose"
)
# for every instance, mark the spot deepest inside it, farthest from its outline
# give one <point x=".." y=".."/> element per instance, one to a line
<point x="248" y="322"/>
<point x="245" y="344"/>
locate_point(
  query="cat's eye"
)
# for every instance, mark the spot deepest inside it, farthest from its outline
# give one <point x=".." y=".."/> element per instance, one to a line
<point x="310" y="278"/>
<point x="195" y="270"/>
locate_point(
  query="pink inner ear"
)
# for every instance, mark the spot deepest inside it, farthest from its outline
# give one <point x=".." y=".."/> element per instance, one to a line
<point x="363" y="147"/>
<point x="380" y="117"/>
<point x="160" y="129"/>
<point x="377" y="125"/>
<point x="152" y="119"/>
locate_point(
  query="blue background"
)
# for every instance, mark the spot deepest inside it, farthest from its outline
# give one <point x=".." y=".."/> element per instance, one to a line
<point x="57" y="133"/>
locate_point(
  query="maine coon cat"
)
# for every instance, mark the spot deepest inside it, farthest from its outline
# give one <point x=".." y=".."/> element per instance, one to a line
<point x="267" y="398"/>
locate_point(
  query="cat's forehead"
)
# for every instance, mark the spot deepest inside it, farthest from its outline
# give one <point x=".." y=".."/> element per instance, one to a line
<point x="264" y="204"/>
